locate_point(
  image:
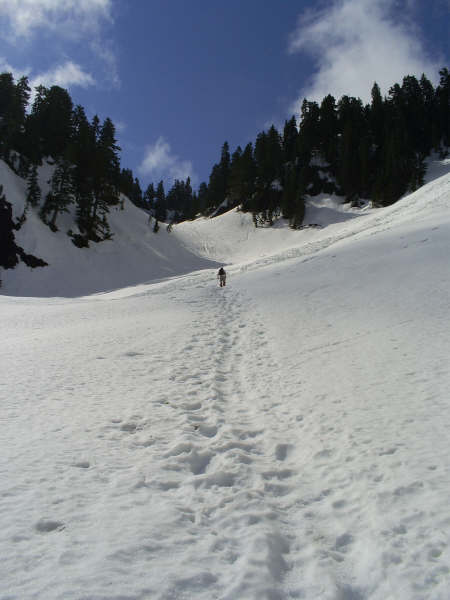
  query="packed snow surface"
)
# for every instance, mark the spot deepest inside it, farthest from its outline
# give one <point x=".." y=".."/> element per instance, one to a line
<point x="284" y="437"/>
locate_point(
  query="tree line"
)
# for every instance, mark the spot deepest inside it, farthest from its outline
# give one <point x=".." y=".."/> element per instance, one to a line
<point x="85" y="155"/>
<point x="359" y="151"/>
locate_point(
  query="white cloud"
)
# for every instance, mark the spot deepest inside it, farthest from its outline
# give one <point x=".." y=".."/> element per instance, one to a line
<point x="103" y="51"/>
<point x="5" y="67"/>
<point x="69" y="20"/>
<point x="65" y="75"/>
<point x="357" y="42"/>
<point x="73" y="18"/>
<point x="120" y="126"/>
<point x="160" y="163"/>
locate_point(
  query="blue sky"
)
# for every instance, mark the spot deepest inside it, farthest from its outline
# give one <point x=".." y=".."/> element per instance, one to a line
<point x="179" y="77"/>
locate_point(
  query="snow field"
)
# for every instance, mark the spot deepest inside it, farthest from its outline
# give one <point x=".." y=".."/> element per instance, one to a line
<point x="131" y="446"/>
<point x="370" y="383"/>
<point x="284" y="437"/>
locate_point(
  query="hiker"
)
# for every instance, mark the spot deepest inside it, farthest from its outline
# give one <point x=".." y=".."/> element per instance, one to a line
<point x="222" y="277"/>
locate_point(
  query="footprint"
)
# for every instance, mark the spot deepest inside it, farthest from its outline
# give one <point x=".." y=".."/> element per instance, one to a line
<point x="408" y="489"/>
<point x="399" y="530"/>
<point x="389" y="451"/>
<point x="83" y="464"/>
<point x="129" y="427"/>
<point x="46" y="526"/>
<point x="280" y="475"/>
<point x="198" y="462"/>
<point x="207" y="430"/>
<point x="434" y="553"/>
<point x="166" y="486"/>
<point x="193" y="406"/>
<point x="277" y="489"/>
<point x="282" y="450"/>
<point x="339" y="504"/>
<point x="343" y="541"/>
<point x="326" y="453"/>
<point x="221" y="479"/>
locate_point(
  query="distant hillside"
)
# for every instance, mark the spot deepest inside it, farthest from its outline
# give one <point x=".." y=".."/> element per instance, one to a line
<point x="135" y="254"/>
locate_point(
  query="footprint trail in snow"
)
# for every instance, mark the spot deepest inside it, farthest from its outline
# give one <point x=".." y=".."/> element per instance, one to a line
<point x="227" y="466"/>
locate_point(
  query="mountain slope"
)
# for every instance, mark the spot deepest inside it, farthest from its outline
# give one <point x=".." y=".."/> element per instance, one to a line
<point x="284" y="437"/>
<point x="134" y="255"/>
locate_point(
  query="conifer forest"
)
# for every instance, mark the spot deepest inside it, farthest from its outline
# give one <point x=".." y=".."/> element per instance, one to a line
<point x="360" y="152"/>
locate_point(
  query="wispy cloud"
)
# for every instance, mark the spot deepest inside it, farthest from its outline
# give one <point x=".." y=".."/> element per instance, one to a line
<point x="66" y="75"/>
<point x="120" y="126"/>
<point x="160" y="163"/>
<point x="104" y="52"/>
<point x="66" y="21"/>
<point x="354" y="43"/>
<point x="5" y="67"/>
<point x="73" y="18"/>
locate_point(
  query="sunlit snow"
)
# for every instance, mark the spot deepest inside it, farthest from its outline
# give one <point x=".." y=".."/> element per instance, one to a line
<point x="284" y="437"/>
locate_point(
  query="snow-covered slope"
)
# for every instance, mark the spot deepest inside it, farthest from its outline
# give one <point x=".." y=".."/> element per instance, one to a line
<point x="134" y="255"/>
<point x="232" y="237"/>
<point x="285" y="437"/>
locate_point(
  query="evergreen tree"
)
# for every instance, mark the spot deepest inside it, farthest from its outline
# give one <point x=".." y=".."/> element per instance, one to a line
<point x="247" y="182"/>
<point x="179" y="201"/>
<point x="8" y="247"/>
<point x="236" y="179"/>
<point x="149" y="196"/>
<point x="105" y="179"/>
<point x="7" y="93"/>
<point x="289" y="141"/>
<point x="290" y="189"/>
<point x="160" y="210"/>
<point x="135" y="193"/>
<point x="443" y="109"/>
<point x="13" y="103"/>
<point x="202" y="197"/>
<point x="126" y="182"/>
<point x="395" y="174"/>
<point x="82" y="151"/>
<point x="429" y="114"/>
<point x="268" y="157"/>
<point x="308" y="138"/>
<point x="328" y="130"/>
<point x="10" y="252"/>
<point x="353" y="129"/>
<point x="218" y="180"/>
<point x="377" y="114"/>
<point x="50" y="123"/>
<point x="61" y="193"/>
<point x="33" y="189"/>
<point x="188" y="200"/>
